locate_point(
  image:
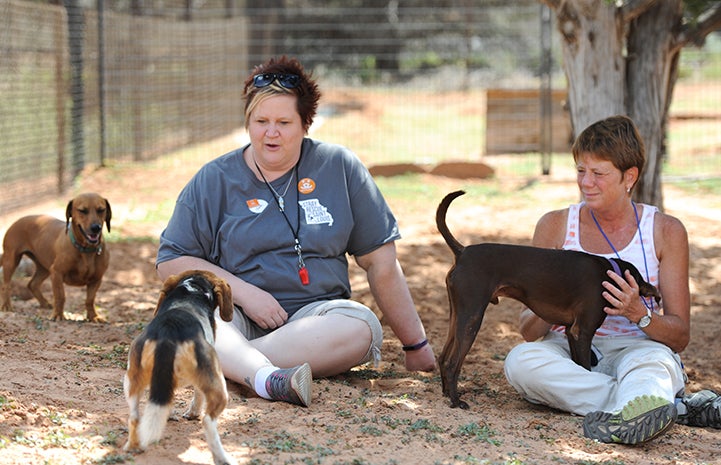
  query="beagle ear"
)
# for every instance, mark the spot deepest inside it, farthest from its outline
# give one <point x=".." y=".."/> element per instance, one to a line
<point x="224" y="298"/>
<point x="68" y="215"/>
<point x="108" y="214"/>
<point x="169" y="284"/>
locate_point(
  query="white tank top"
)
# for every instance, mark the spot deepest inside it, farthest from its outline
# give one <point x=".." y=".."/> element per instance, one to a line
<point x="633" y="252"/>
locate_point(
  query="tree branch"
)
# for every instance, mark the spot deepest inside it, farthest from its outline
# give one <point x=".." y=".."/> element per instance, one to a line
<point x="632" y="9"/>
<point x="552" y="4"/>
<point x="696" y="33"/>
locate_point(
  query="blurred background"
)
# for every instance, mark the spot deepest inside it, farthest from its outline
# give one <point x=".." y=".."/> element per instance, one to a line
<point x="93" y="83"/>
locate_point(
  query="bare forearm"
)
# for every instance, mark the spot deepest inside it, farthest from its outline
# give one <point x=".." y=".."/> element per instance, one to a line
<point x="531" y="326"/>
<point x="394" y="299"/>
<point x="390" y="290"/>
<point x="177" y="265"/>
<point x="180" y="264"/>
<point x="391" y="293"/>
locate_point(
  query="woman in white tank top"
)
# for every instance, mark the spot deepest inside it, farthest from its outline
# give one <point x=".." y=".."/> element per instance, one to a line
<point x="630" y="396"/>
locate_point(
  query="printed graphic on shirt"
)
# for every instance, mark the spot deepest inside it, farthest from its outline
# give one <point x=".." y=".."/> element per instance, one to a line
<point x="315" y="213"/>
<point x="256" y="205"/>
<point x="306" y="186"/>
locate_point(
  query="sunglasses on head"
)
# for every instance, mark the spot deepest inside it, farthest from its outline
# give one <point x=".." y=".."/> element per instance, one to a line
<point x="289" y="81"/>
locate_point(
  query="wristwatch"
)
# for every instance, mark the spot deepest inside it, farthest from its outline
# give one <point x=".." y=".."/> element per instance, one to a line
<point x="645" y="320"/>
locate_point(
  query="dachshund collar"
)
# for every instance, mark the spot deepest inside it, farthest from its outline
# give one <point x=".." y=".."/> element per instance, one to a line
<point x="97" y="249"/>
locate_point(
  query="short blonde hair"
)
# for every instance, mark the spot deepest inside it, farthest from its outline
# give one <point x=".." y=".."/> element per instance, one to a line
<point x="261" y="95"/>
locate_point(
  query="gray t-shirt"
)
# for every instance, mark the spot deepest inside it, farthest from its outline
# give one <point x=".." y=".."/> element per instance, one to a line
<point x="228" y="217"/>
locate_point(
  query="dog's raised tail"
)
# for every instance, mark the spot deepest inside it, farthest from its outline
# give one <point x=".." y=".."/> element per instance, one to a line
<point x="452" y="242"/>
<point x="160" y="399"/>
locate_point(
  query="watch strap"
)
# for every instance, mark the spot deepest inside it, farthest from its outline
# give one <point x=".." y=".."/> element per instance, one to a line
<point x="645" y="320"/>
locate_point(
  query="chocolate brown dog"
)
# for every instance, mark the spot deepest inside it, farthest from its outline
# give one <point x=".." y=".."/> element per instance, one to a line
<point x="176" y="350"/>
<point x="563" y="287"/>
<point x="71" y="252"/>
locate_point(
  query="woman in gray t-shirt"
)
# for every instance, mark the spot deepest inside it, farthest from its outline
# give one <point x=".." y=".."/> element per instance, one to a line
<point x="277" y="219"/>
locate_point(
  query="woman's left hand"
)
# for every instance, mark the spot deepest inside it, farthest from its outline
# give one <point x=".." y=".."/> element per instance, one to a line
<point x="422" y="359"/>
<point x="624" y="297"/>
<point x="390" y="290"/>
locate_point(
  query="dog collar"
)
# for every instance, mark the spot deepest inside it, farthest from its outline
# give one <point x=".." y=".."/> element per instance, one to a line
<point x="97" y="249"/>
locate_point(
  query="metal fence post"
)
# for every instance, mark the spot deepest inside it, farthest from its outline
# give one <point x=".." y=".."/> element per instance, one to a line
<point x="76" y="32"/>
<point x="546" y="117"/>
<point x="101" y="78"/>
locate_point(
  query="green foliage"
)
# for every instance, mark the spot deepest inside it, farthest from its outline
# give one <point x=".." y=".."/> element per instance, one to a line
<point x="368" y="70"/>
<point x="110" y="459"/>
<point x="479" y="433"/>
<point x="283" y="441"/>
<point x="6" y="403"/>
<point x="693" y="9"/>
<point x="707" y="187"/>
<point x="117" y="356"/>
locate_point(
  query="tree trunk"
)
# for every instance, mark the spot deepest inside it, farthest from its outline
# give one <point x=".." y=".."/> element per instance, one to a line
<point x="622" y="65"/>
<point x="592" y="44"/>
<point x="651" y="74"/>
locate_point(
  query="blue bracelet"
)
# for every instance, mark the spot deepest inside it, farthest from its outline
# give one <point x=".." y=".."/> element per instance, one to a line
<point x="416" y="346"/>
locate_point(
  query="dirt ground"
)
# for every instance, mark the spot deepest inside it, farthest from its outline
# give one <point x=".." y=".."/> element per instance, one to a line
<point x="61" y="399"/>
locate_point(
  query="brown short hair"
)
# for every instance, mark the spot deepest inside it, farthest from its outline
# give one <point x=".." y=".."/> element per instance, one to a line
<point x="306" y="91"/>
<point x="615" y="139"/>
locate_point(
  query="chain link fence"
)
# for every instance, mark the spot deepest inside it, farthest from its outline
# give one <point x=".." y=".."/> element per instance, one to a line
<point x="111" y="81"/>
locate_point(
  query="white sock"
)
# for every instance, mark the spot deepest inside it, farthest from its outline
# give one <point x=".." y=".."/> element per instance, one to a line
<point x="260" y="377"/>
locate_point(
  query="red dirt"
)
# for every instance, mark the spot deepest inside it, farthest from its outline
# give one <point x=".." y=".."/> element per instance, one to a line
<point x="61" y="398"/>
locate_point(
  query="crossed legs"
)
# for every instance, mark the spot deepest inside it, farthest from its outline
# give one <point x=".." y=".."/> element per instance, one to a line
<point x="543" y="373"/>
<point x="331" y="336"/>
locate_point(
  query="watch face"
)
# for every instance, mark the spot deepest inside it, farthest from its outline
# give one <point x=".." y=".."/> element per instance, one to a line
<point x="645" y="321"/>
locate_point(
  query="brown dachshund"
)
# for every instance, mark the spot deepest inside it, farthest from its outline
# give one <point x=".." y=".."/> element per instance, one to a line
<point x="176" y="350"/>
<point x="71" y="252"/>
<point x="563" y="287"/>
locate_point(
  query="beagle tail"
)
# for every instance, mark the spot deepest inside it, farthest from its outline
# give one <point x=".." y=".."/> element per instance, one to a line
<point x="160" y="401"/>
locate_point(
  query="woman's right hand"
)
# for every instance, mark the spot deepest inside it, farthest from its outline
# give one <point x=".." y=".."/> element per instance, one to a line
<point x="258" y="305"/>
<point x="262" y="308"/>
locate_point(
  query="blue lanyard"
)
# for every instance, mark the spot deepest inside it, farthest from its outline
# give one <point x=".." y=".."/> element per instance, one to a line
<point x="643" y="250"/>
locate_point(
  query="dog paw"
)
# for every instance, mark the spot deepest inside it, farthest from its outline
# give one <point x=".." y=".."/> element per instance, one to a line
<point x="132" y="448"/>
<point x="224" y="459"/>
<point x="58" y="317"/>
<point x="458" y="403"/>
<point x="191" y="415"/>
<point x="96" y="319"/>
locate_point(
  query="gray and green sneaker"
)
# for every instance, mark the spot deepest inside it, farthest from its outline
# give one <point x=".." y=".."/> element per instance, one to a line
<point x="640" y="420"/>
<point x="291" y="385"/>
<point x="703" y="409"/>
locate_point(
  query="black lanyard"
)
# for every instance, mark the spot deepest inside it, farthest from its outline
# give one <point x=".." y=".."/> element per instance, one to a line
<point x="302" y="270"/>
